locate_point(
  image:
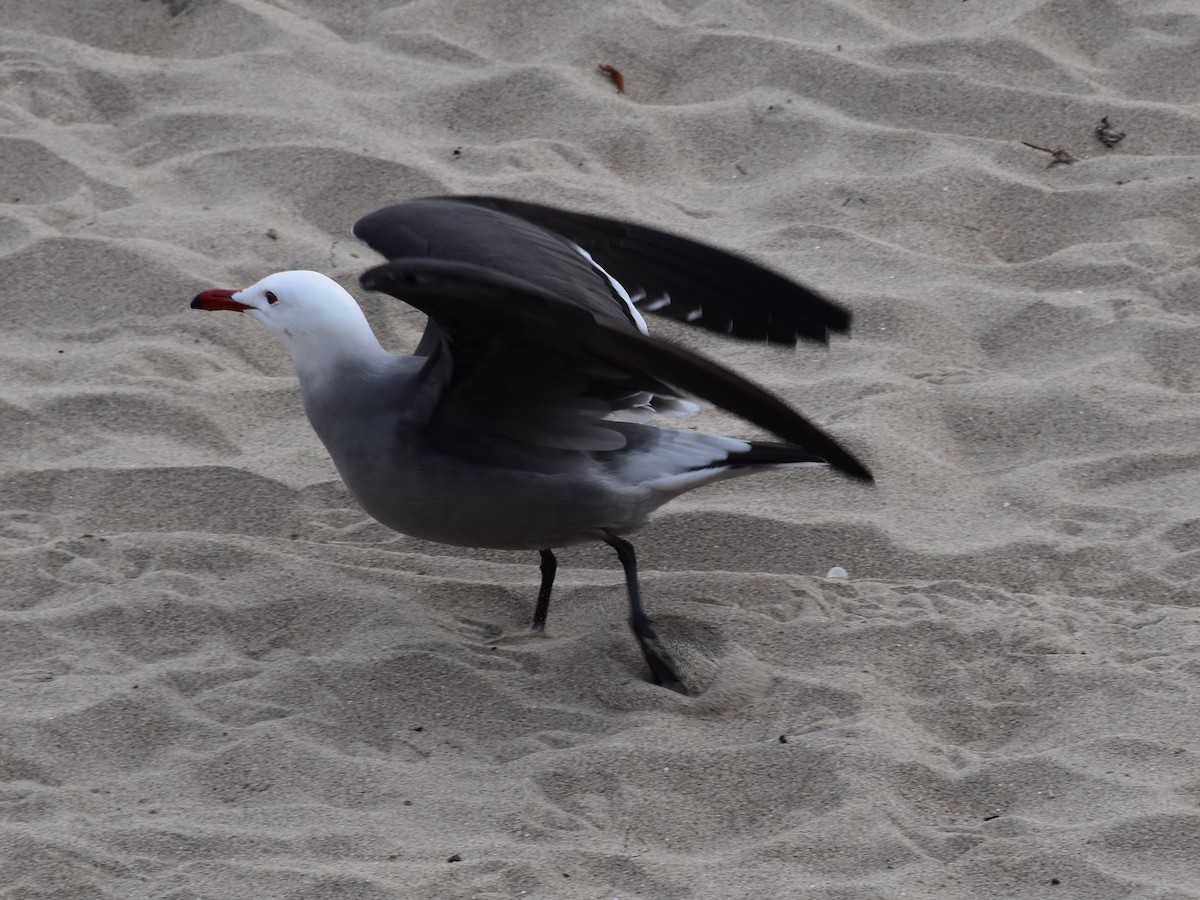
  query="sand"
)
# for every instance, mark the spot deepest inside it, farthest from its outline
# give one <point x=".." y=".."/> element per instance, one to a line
<point x="219" y="679"/>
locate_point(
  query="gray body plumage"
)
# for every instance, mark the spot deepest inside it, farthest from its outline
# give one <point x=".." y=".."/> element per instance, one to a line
<point x="443" y="483"/>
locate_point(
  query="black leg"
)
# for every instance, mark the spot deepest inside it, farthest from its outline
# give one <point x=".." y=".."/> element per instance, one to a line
<point x="662" y="670"/>
<point x="549" y="567"/>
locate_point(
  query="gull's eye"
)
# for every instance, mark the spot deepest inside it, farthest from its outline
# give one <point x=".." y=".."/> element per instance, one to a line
<point x="271" y="298"/>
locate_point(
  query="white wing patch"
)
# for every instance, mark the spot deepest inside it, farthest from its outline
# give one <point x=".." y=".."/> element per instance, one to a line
<point x="618" y="288"/>
<point x="649" y="405"/>
<point x="676" y="453"/>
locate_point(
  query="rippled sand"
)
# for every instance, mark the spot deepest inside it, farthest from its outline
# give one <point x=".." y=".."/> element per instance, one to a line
<point x="218" y="679"/>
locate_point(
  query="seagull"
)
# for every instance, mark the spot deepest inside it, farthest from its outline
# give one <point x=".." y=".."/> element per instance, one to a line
<point x="519" y="421"/>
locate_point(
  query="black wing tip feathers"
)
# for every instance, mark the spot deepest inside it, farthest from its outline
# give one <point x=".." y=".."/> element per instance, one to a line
<point x="852" y="468"/>
<point x="837" y="457"/>
<point x="830" y="453"/>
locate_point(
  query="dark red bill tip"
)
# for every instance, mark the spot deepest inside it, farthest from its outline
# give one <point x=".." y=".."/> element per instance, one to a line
<point x="218" y="298"/>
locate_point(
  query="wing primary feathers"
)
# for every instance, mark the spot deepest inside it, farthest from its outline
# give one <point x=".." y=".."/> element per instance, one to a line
<point x="760" y="304"/>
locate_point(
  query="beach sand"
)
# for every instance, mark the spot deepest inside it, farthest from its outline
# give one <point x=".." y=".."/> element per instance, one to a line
<point x="220" y="679"/>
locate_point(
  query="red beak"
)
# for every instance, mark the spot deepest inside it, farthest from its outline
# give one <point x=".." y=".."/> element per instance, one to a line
<point x="218" y="298"/>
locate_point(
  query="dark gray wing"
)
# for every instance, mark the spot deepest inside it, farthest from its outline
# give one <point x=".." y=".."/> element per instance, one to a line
<point x="540" y="337"/>
<point x="445" y="228"/>
<point x="501" y="381"/>
<point x="703" y="285"/>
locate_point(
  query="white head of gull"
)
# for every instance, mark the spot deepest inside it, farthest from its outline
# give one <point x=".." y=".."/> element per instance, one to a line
<point x="316" y="320"/>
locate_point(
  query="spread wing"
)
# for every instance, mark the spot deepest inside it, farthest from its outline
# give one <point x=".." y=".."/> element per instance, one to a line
<point x="498" y="380"/>
<point x="447" y="228"/>
<point x="530" y="364"/>
<point x="687" y="280"/>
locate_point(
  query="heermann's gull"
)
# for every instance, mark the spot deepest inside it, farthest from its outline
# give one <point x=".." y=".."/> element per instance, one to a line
<point x="513" y="425"/>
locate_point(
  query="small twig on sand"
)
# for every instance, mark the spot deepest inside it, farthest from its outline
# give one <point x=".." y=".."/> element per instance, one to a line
<point x="615" y="74"/>
<point x="1058" y="153"/>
